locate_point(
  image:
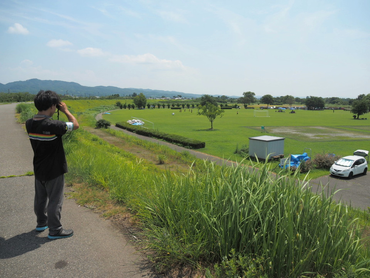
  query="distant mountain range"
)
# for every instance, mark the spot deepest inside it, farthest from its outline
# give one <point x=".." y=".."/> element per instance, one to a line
<point x="33" y="86"/>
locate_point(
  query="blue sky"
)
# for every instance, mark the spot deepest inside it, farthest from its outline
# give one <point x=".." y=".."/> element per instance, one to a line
<point x="282" y="47"/>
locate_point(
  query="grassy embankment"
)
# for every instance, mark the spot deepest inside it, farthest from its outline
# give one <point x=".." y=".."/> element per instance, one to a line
<point x="242" y="223"/>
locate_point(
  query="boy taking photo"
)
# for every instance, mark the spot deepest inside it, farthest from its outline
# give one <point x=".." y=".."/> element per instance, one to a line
<point x="49" y="161"/>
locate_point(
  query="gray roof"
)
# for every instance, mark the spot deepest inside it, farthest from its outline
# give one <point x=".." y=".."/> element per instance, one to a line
<point x="266" y="138"/>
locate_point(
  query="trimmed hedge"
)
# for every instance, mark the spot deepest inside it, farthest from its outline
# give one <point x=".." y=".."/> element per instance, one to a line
<point x="172" y="138"/>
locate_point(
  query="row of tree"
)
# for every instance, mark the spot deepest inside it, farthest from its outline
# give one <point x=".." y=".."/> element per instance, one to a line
<point x="360" y="106"/>
<point x="311" y="102"/>
<point x="22" y="97"/>
<point x="25" y="96"/>
<point x="247" y="99"/>
<point x="16" y="97"/>
<point x="209" y="105"/>
<point x="141" y="102"/>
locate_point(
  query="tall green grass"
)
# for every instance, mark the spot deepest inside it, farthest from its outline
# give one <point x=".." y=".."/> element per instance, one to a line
<point x="97" y="163"/>
<point x="26" y="111"/>
<point x="160" y="150"/>
<point x="290" y="230"/>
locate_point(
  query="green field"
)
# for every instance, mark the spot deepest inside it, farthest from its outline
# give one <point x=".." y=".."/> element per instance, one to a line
<point x="314" y="131"/>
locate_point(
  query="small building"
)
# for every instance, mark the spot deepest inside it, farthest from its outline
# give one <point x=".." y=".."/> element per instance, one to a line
<point x="266" y="146"/>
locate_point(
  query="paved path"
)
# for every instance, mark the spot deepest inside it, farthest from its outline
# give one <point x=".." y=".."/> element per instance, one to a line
<point x="97" y="249"/>
<point x="354" y="192"/>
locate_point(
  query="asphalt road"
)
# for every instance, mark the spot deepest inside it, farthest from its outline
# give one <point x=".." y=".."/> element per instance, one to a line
<point x="97" y="249"/>
<point x="354" y="192"/>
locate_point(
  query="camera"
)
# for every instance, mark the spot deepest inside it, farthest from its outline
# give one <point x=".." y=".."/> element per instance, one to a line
<point x="58" y="106"/>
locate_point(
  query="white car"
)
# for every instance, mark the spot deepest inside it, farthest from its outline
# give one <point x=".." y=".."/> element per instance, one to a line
<point x="350" y="166"/>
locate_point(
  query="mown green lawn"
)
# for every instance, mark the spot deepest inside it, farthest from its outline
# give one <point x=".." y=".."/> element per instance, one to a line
<point x="314" y="131"/>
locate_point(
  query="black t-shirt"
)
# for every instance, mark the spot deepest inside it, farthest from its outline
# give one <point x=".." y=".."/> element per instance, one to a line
<point x="49" y="159"/>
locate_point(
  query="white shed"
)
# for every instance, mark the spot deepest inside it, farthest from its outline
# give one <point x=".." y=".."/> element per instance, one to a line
<point x="266" y="146"/>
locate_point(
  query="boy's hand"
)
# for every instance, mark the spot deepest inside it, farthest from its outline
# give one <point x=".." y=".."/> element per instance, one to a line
<point x="62" y="107"/>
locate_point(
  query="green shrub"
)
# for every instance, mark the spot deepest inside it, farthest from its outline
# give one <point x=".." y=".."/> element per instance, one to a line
<point x="25" y="115"/>
<point x="26" y="111"/>
<point x="21" y="107"/>
<point x="238" y="265"/>
<point x="306" y="166"/>
<point x="162" y="159"/>
<point x="324" y="160"/>
<point x="102" y="124"/>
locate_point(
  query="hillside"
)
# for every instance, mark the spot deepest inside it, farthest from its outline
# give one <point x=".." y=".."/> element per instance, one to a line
<point x="33" y="86"/>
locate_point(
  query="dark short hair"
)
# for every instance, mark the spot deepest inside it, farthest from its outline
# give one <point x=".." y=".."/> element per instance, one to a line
<point x="45" y="99"/>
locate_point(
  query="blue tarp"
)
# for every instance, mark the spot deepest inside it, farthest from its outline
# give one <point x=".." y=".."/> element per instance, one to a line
<point x="295" y="160"/>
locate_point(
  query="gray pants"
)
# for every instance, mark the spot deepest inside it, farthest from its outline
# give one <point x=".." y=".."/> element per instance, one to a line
<point x="49" y="197"/>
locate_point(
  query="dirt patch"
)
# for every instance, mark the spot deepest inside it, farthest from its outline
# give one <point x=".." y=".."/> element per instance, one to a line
<point x="317" y="133"/>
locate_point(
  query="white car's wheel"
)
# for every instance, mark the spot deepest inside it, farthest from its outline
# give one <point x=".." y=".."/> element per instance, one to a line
<point x="350" y="175"/>
<point x="365" y="171"/>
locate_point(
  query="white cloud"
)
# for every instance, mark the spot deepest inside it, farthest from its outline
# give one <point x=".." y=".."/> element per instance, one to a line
<point x="148" y="59"/>
<point x="130" y="12"/>
<point x="58" y="43"/>
<point x="27" y="70"/>
<point x="241" y="27"/>
<point x="277" y="21"/>
<point x="351" y="34"/>
<point x="316" y="19"/>
<point x="103" y="11"/>
<point x="172" y="16"/>
<point x="92" y="52"/>
<point x="18" y="29"/>
<point x="26" y="63"/>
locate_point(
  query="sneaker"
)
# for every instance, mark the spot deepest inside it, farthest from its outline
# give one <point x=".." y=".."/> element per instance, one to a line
<point x="61" y="234"/>
<point x="41" y="228"/>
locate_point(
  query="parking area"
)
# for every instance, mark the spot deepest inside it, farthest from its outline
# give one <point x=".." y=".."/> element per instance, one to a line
<point x="354" y="191"/>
